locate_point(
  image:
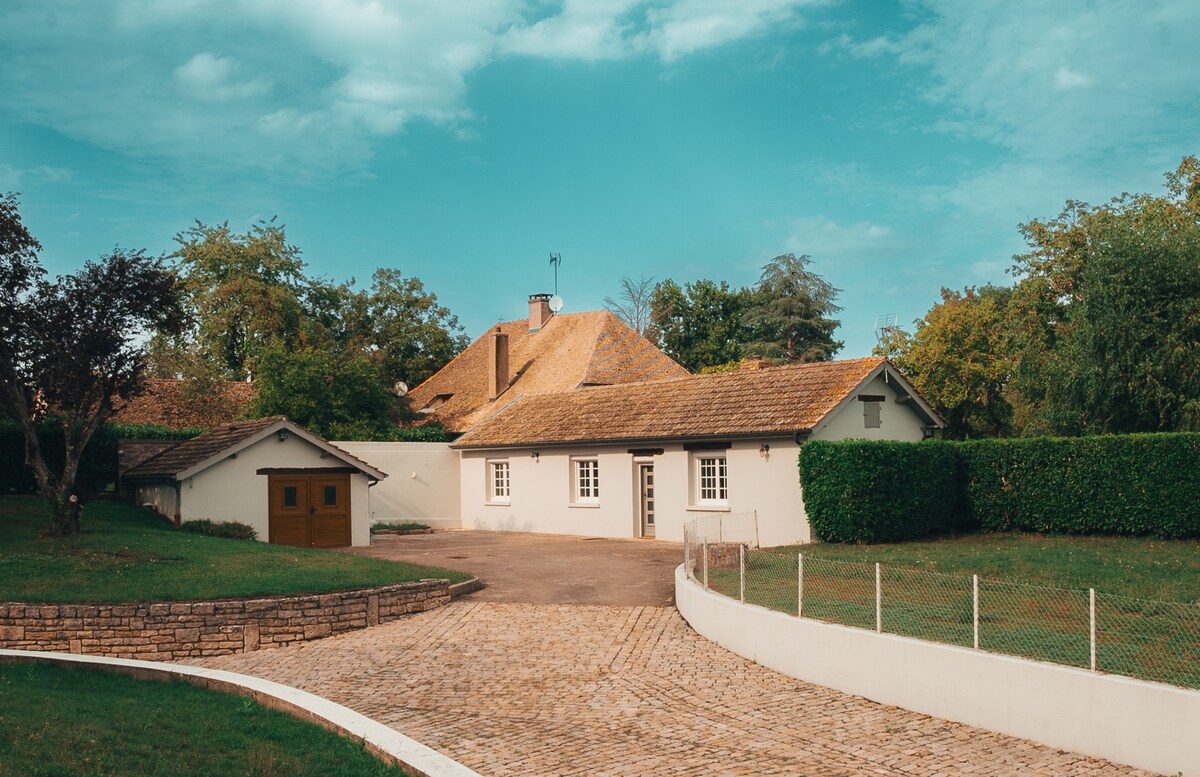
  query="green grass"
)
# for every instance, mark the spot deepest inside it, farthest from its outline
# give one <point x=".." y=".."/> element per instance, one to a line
<point x="57" y="721"/>
<point x="1033" y="595"/>
<point x="129" y="554"/>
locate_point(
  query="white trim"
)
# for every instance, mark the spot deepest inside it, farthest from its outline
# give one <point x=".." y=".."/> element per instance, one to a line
<point x="274" y="428"/>
<point x="719" y="478"/>
<point x="407" y="752"/>
<point x="581" y="481"/>
<point x="490" y="470"/>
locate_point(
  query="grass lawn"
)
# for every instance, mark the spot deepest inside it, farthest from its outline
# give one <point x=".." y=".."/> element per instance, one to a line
<point x="1032" y="593"/>
<point x="129" y="554"/>
<point x="58" y="721"/>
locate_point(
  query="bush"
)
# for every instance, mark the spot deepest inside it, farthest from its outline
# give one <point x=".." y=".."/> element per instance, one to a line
<point x="400" y="526"/>
<point x="1137" y="484"/>
<point x="97" y="466"/>
<point x="229" y="529"/>
<point x="881" y="491"/>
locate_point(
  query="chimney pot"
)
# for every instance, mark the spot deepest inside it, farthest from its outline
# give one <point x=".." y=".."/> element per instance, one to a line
<point x="497" y="364"/>
<point x="539" y="311"/>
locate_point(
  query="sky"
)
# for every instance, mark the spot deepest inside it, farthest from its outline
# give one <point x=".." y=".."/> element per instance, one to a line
<point x="898" y="144"/>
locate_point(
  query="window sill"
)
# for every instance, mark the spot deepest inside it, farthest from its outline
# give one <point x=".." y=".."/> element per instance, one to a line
<point x="497" y="504"/>
<point x="586" y="505"/>
<point x="707" y="508"/>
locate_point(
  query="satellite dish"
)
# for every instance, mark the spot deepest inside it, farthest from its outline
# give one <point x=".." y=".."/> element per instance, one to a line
<point x="400" y="387"/>
<point x="556" y="303"/>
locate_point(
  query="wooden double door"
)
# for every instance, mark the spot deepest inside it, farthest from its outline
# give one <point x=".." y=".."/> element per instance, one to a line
<point x="309" y="511"/>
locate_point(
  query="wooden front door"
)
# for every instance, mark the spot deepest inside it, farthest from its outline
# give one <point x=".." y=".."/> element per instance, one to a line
<point x="309" y="511"/>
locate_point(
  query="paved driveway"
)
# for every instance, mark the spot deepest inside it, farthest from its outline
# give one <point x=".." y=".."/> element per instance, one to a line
<point x="545" y="568"/>
<point x="525" y="689"/>
<point x="520" y="688"/>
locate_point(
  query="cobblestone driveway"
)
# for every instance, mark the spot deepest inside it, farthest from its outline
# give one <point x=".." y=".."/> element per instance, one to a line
<point x="522" y="689"/>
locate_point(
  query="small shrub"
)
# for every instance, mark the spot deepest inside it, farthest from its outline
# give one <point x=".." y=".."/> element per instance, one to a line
<point x="399" y="526"/>
<point x="229" y="529"/>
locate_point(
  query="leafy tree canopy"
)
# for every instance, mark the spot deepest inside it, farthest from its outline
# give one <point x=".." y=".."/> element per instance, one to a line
<point x="70" y="348"/>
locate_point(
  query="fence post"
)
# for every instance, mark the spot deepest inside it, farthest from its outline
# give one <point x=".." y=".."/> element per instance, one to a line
<point x="799" y="585"/>
<point x="706" y="563"/>
<point x="975" y="607"/>
<point x="1092" y="619"/>
<point x="878" y="598"/>
<point x="741" y="573"/>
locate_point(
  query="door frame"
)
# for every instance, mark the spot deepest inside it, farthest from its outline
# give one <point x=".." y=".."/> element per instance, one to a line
<point x="641" y="468"/>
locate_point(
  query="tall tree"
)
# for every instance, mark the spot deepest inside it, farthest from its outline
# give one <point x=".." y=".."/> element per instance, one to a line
<point x="245" y="291"/>
<point x="701" y="324"/>
<point x="338" y="396"/>
<point x="1102" y="318"/>
<point x="69" y="348"/>
<point x="789" y="317"/>
<point x="633" y="303"/>
<point x="959" y="359"/>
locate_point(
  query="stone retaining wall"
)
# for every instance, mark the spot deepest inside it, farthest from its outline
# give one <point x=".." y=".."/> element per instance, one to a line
<point x="168" y="631"/>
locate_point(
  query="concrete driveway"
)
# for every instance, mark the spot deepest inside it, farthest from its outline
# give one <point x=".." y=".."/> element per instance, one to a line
<point x="544" y="568"/>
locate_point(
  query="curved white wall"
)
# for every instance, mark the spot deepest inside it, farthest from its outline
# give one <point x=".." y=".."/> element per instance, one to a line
<point x="1147" y="725"/>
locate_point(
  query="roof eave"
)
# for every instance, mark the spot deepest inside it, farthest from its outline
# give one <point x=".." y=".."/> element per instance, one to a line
<point x="775" y="433"/>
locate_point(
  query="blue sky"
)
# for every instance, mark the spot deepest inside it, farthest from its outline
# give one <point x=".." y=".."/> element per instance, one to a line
<point x="898" y="144"/>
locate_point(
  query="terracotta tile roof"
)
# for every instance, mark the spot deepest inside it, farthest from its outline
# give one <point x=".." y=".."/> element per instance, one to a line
<point x="775" y="400"/>
<point x="592" y="348"/>
<point x="191" y="452"/>
<point x="168" y="403"/>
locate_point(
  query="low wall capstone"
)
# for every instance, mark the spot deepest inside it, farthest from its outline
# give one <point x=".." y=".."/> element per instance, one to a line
<point x="169" y="631"/>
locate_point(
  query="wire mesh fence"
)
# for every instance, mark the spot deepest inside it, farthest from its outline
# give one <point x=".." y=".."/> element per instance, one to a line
<point x="1150" y="640"/>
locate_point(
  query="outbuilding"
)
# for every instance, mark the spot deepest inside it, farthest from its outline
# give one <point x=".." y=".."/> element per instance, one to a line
<point x="292" y="486"/>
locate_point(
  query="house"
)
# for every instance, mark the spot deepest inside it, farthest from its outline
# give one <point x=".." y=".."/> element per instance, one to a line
<point x="597" y="432"/>
<point x="293" y="487"/>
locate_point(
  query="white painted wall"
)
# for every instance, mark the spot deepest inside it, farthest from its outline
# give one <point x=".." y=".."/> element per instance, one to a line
<point x="230" y="490"/>
<point x="1148" y="725"/>
<point x="159" y="497"/>
<point x="541" y="491"/>
<point x="422" y="483"/>
<point x="897" y="421"/>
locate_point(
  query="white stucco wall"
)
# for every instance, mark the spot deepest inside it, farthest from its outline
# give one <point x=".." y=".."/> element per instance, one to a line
<point x="897" y="421"/>
<point x="541" y="491"/>
<point x="422" y="483"/>
<point x="1148" y="725"/>
<point x="159" y="497"/>
<point x="230" y="490"/>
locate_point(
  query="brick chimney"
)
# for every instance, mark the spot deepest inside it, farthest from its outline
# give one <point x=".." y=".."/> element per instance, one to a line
<point x="539" y="311"/>
<point x="497" y="364"/>
<point x="753" y="364"/>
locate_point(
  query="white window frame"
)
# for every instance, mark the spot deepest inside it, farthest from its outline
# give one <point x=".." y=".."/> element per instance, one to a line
<point x="585" y="481"/>
<point x="718" y="489"/>
<point x="499" y="482"/>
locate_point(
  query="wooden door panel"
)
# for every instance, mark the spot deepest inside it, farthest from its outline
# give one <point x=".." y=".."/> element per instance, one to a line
<point x="289" y="511"/>
<point x="330" y="497"/>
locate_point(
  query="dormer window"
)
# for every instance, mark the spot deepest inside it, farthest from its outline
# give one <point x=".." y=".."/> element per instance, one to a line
<point x="437" y="401"/>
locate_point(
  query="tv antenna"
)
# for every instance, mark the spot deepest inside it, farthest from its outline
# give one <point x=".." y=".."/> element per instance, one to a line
<point x="884" y="323"/>
<point x="555" y="261"/>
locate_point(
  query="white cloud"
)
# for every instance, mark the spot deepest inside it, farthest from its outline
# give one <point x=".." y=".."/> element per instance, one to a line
<point x="211" y="77"/>
<point x="13" y="177"/>
<point x="1049" y="80"/>
<point x="827" y="241"/>
<point x="312" y="82"/>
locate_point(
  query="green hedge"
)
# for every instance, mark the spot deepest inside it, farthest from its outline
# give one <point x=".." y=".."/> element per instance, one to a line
<point x="860" y="491"/>
<point x="1140" y="484"/>
<point x="97" y="467"/>
<point x="1137" y="484"/>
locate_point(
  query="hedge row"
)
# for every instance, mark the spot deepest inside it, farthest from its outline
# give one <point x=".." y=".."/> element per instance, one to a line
<point x="97" y="467"/>
<point x="1140" y="484"/>
<point x="861" y="491"/>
